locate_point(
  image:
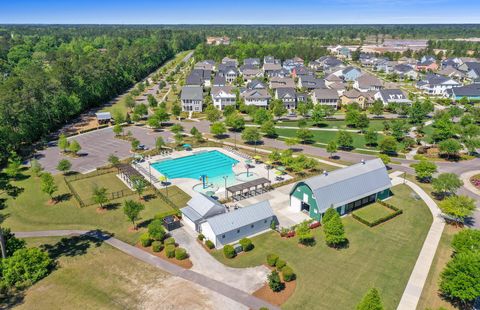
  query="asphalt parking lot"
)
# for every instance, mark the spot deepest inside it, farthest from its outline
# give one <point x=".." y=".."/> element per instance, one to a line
<point x="96" y="148"/>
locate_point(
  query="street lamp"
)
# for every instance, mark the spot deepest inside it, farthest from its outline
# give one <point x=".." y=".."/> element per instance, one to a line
<point x="225" y="177"/>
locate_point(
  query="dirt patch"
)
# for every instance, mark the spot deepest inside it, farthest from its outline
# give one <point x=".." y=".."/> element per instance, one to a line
<point x="276" y="298"/>
<point x="100" y="210"/>
<point x="185" y="263"/>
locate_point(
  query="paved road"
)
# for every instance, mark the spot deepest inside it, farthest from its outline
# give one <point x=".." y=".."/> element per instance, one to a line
<point x="226" y="290"/>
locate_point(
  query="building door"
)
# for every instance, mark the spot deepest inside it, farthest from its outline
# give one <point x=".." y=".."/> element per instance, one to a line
<point x="305" y="207"/>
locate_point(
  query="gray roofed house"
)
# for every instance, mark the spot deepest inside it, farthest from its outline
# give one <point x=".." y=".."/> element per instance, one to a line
<point x="192" y="98"/>
<point x="311" y="82"/>
<point x="194" y="79"/>
<point x="278" y="82"/>
<point x="344" y="189"/>
<point x="205" y="65"/>
<point x="268" y="68"/>
<point x="367" y="82"/>
<point x="471" y="92"/>
<point x="434" y="84"/>
<point x="327" y="97"/>
<point x="256" y="97"/>
<point x="244" y="222"/>
<point x="256" y="84"/>
<point x="392" y="96"/>
<point x="252" y="62"/>
<point x="250" y="74"/>
<point x="219" y="80"/>
<point x="288" y="97"/>
<point x="405" y="71"/>
<point x="199" y="208"/>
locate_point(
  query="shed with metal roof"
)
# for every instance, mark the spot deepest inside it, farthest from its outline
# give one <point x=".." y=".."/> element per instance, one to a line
<point x="199" y="209"/>
<point x="345" y="189"/>
<point x="244" y="222"/>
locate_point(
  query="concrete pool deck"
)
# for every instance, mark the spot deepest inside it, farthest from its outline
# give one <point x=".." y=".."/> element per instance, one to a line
<point x="187" y="184"/>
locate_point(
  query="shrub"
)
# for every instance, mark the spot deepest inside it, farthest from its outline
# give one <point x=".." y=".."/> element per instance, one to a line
<point x="280" y="264"/>
<point x="145" y="240"/>
<point x="288" y="274"/>
<point x="180" y="253"/>
<point x="157" y="246"/>
<point x="200" y="237"/>
<point x="156" y="230"/>
<point x="170" y="251"/>
<point x="169" y="241"/>
<point x="246" y="244"/>
<point x="209" y="244"/>
<point x="229" y="251"/>
<point x="274" y="282"/>
<point x="272" y="259"/>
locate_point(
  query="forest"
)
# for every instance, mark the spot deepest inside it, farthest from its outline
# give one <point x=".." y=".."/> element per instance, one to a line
<point x="49" y="75"/>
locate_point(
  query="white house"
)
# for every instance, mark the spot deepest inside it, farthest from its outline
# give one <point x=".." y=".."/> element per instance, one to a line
<point x="223" y="96"/>
<point x="192" y="98"/>
<point x="232" y="226"/>
<point x="256" y="97"/>
<point x="392" y="96"/>
<point x="367" y="82"/>
<point x="327" y="97"/>
<point x="437" y="84"/>
<point x="199" y="209"/>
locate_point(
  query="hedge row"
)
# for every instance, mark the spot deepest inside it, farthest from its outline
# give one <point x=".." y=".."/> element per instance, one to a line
<point x="381" y="220"/>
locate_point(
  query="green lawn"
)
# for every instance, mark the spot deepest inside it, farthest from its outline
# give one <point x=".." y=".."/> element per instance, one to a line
<point x="375" y="124"/>
<point x="373" y="212"/>
<point x="94" y="276"/>
<point x="428" y="130"/>
<point x="326" y="136"/>
<point x="381" y="257"/>
<point x="85" y="187"/>
<point x="31" y="211"/>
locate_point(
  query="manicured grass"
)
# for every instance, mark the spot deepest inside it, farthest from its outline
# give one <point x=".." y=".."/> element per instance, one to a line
<point x="326" y="136"/>
<point x="381" y="257"/>
<point x="430" y="298"/>
<point x="428" y="131"/>
<point x="31" y="211"/>
<point x="373" y="212"/>
<point x="85" y="187"/>
<point x="375" y="124"/>
<point x="93" y="276"/>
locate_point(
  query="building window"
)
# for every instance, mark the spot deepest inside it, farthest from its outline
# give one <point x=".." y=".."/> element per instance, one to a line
<point x="265" y="221"/>
<point x="238" y="231"/>
<point x="223" y="236"/>
<point x="251" y="226"/>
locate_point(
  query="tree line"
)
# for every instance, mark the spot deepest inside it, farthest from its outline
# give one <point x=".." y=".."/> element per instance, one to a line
<point x="48" y="78"/>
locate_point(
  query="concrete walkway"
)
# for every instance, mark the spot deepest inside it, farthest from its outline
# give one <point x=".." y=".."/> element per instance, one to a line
<point x="419" y="275"/>
<point x="248" y="280"/>
<point x="465" y="177"/>
<point x="226" y="290"/>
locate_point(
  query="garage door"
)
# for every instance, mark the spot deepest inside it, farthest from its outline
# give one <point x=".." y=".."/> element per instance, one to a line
<point x="295" y="203"/>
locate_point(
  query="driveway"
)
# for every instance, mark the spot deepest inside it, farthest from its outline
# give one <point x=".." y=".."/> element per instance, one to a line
<point x="97" y="145"/>
<point x="246" y="279"/>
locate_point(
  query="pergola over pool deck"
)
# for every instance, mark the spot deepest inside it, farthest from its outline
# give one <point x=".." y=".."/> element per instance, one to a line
<point x="249" y="189"/>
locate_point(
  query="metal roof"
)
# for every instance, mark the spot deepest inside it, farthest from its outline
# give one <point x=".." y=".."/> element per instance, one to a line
<point x="203" y="204"/>
<point x="192" y="93"/>
<point x="349" y="184"/>
<point x="103" y="115"/>
<point x="241" y="217"/>
<point x="248" y="185"/>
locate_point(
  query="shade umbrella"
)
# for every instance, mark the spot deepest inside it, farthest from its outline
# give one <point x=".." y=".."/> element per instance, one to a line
<point x="163" y="178"/>
<point x="187" y="146"/>
<point x="281" y="168"/>
<point x="278" y="172"/>
<point x="257" y="157"/>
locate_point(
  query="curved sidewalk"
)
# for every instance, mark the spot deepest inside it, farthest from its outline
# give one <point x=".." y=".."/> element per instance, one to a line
<point x="418" y="277"/>
<point x="228" y="291"/>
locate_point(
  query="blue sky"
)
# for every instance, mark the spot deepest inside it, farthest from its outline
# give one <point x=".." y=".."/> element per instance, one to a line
<point x="240" y="11"/>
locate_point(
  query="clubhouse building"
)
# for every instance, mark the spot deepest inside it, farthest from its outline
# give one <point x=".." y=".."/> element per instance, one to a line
<point x="345" y="189"/>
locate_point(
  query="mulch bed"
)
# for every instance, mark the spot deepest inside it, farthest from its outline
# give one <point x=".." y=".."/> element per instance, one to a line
<point x="475" y="180"/>
<point x="185" y="263"/>
<point x="276" y="298"/>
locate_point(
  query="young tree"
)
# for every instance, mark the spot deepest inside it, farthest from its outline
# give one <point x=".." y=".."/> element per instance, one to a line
<point x="63" y="142"/>
<point x="64" y="165"/>
<point x="388" y="145"/>
<point x="235" y="122"/>
<point x="152" y="101"/>
<point x="132" y="210"/>
<point x="304" y="135"/>
<point x="424" y="170"/>
<point x="351" y="117"/>
<point x="13" y="166"/>
<point x="332" y="148"/>
<point x="450" y="147"/>
<point x="467" y="240"/>
<point x="156" y="231"/>
<point x="371" y="137"/>
<point x="447" y="183"/>
<point x="459" y="207"/>
<point x="251" y="135"/>
<point x="129" y="101"/>
<point x="218" y="129"/>
<point x="268" y="128"/>
<point x="460" y="280"/>
<point x="377" y="108"/>
<point x="333" y="229"/>
<point x="176" y="110"/>
<point x="135" y="144"/>
<point x="99" y="195"/>
<point x="261" y="116"/>
<point x="74" y="147"/>
<point x="318" y="115"/>
<point x="176" y="128"/>
<point x="139" y="184"/>
<point x="362" y="122"/>
<point x="113" y="160"/>
<point x="48" y="185"/>
<point x="291" y="141"/>
<point x="37" y="169"/>
<point x="385" y="159"/>
<point x="371" y="301"/>
<point x="345" y="139"/>
<point x="117" y="129"/>
<point x="213" y="114"/>
<point x="159" y="143"/>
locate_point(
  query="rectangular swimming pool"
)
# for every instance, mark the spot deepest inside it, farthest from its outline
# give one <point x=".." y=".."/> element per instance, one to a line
<point x="213" y="164"/>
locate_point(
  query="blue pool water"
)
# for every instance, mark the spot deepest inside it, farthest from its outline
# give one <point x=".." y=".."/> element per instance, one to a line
<point x="213" y="164"/>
